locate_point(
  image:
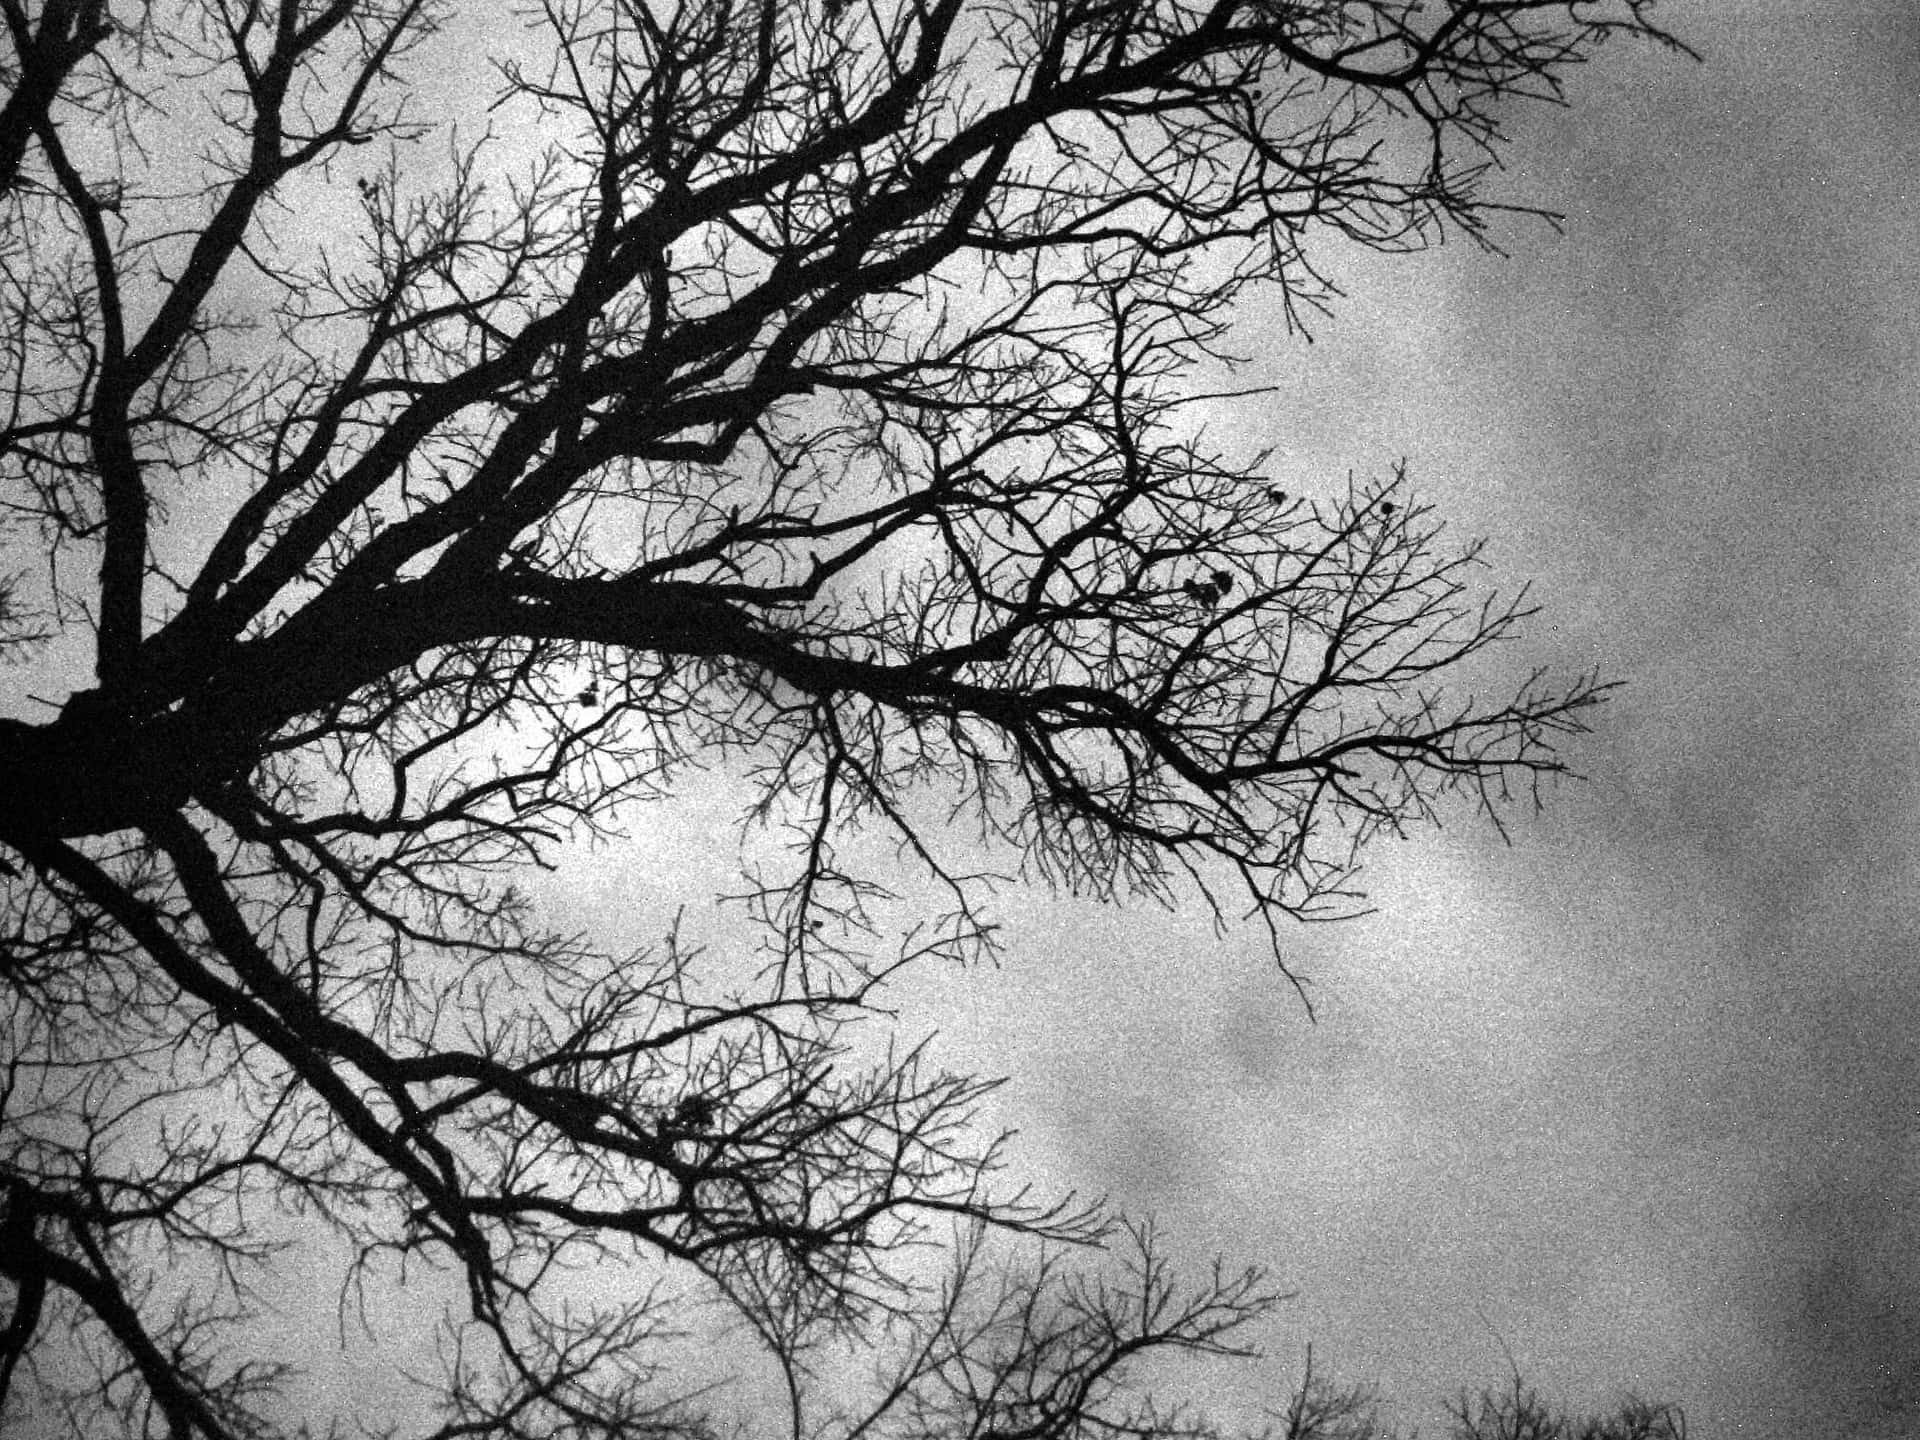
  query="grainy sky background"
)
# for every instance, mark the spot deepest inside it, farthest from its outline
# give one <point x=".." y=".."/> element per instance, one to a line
<point x="1636" y="1100"/>
<point x="1639" y="1097"/>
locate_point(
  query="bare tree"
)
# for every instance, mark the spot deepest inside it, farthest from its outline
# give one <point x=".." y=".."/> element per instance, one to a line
<point x="1516" y="1411"/>
<point x="1323" y="1409"/>
<point x="432" y="477"/>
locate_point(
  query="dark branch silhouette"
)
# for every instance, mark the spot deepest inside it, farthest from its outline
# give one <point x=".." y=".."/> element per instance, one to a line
<point x="435" y="465"/>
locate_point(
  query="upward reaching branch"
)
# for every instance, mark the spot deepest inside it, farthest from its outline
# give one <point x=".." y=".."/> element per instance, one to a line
<point x="45" y="53"/>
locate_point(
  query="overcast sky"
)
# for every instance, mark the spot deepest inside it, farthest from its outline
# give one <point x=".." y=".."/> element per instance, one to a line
<point x="1638" y="1097"/>
<point x="1635" y="1100"/>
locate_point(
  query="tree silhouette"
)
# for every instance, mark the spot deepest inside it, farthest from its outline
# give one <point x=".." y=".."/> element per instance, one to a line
<point x="432" y="476"/>
<point x="1516" y="1411"/>
<point x="1324" y="1409"/>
